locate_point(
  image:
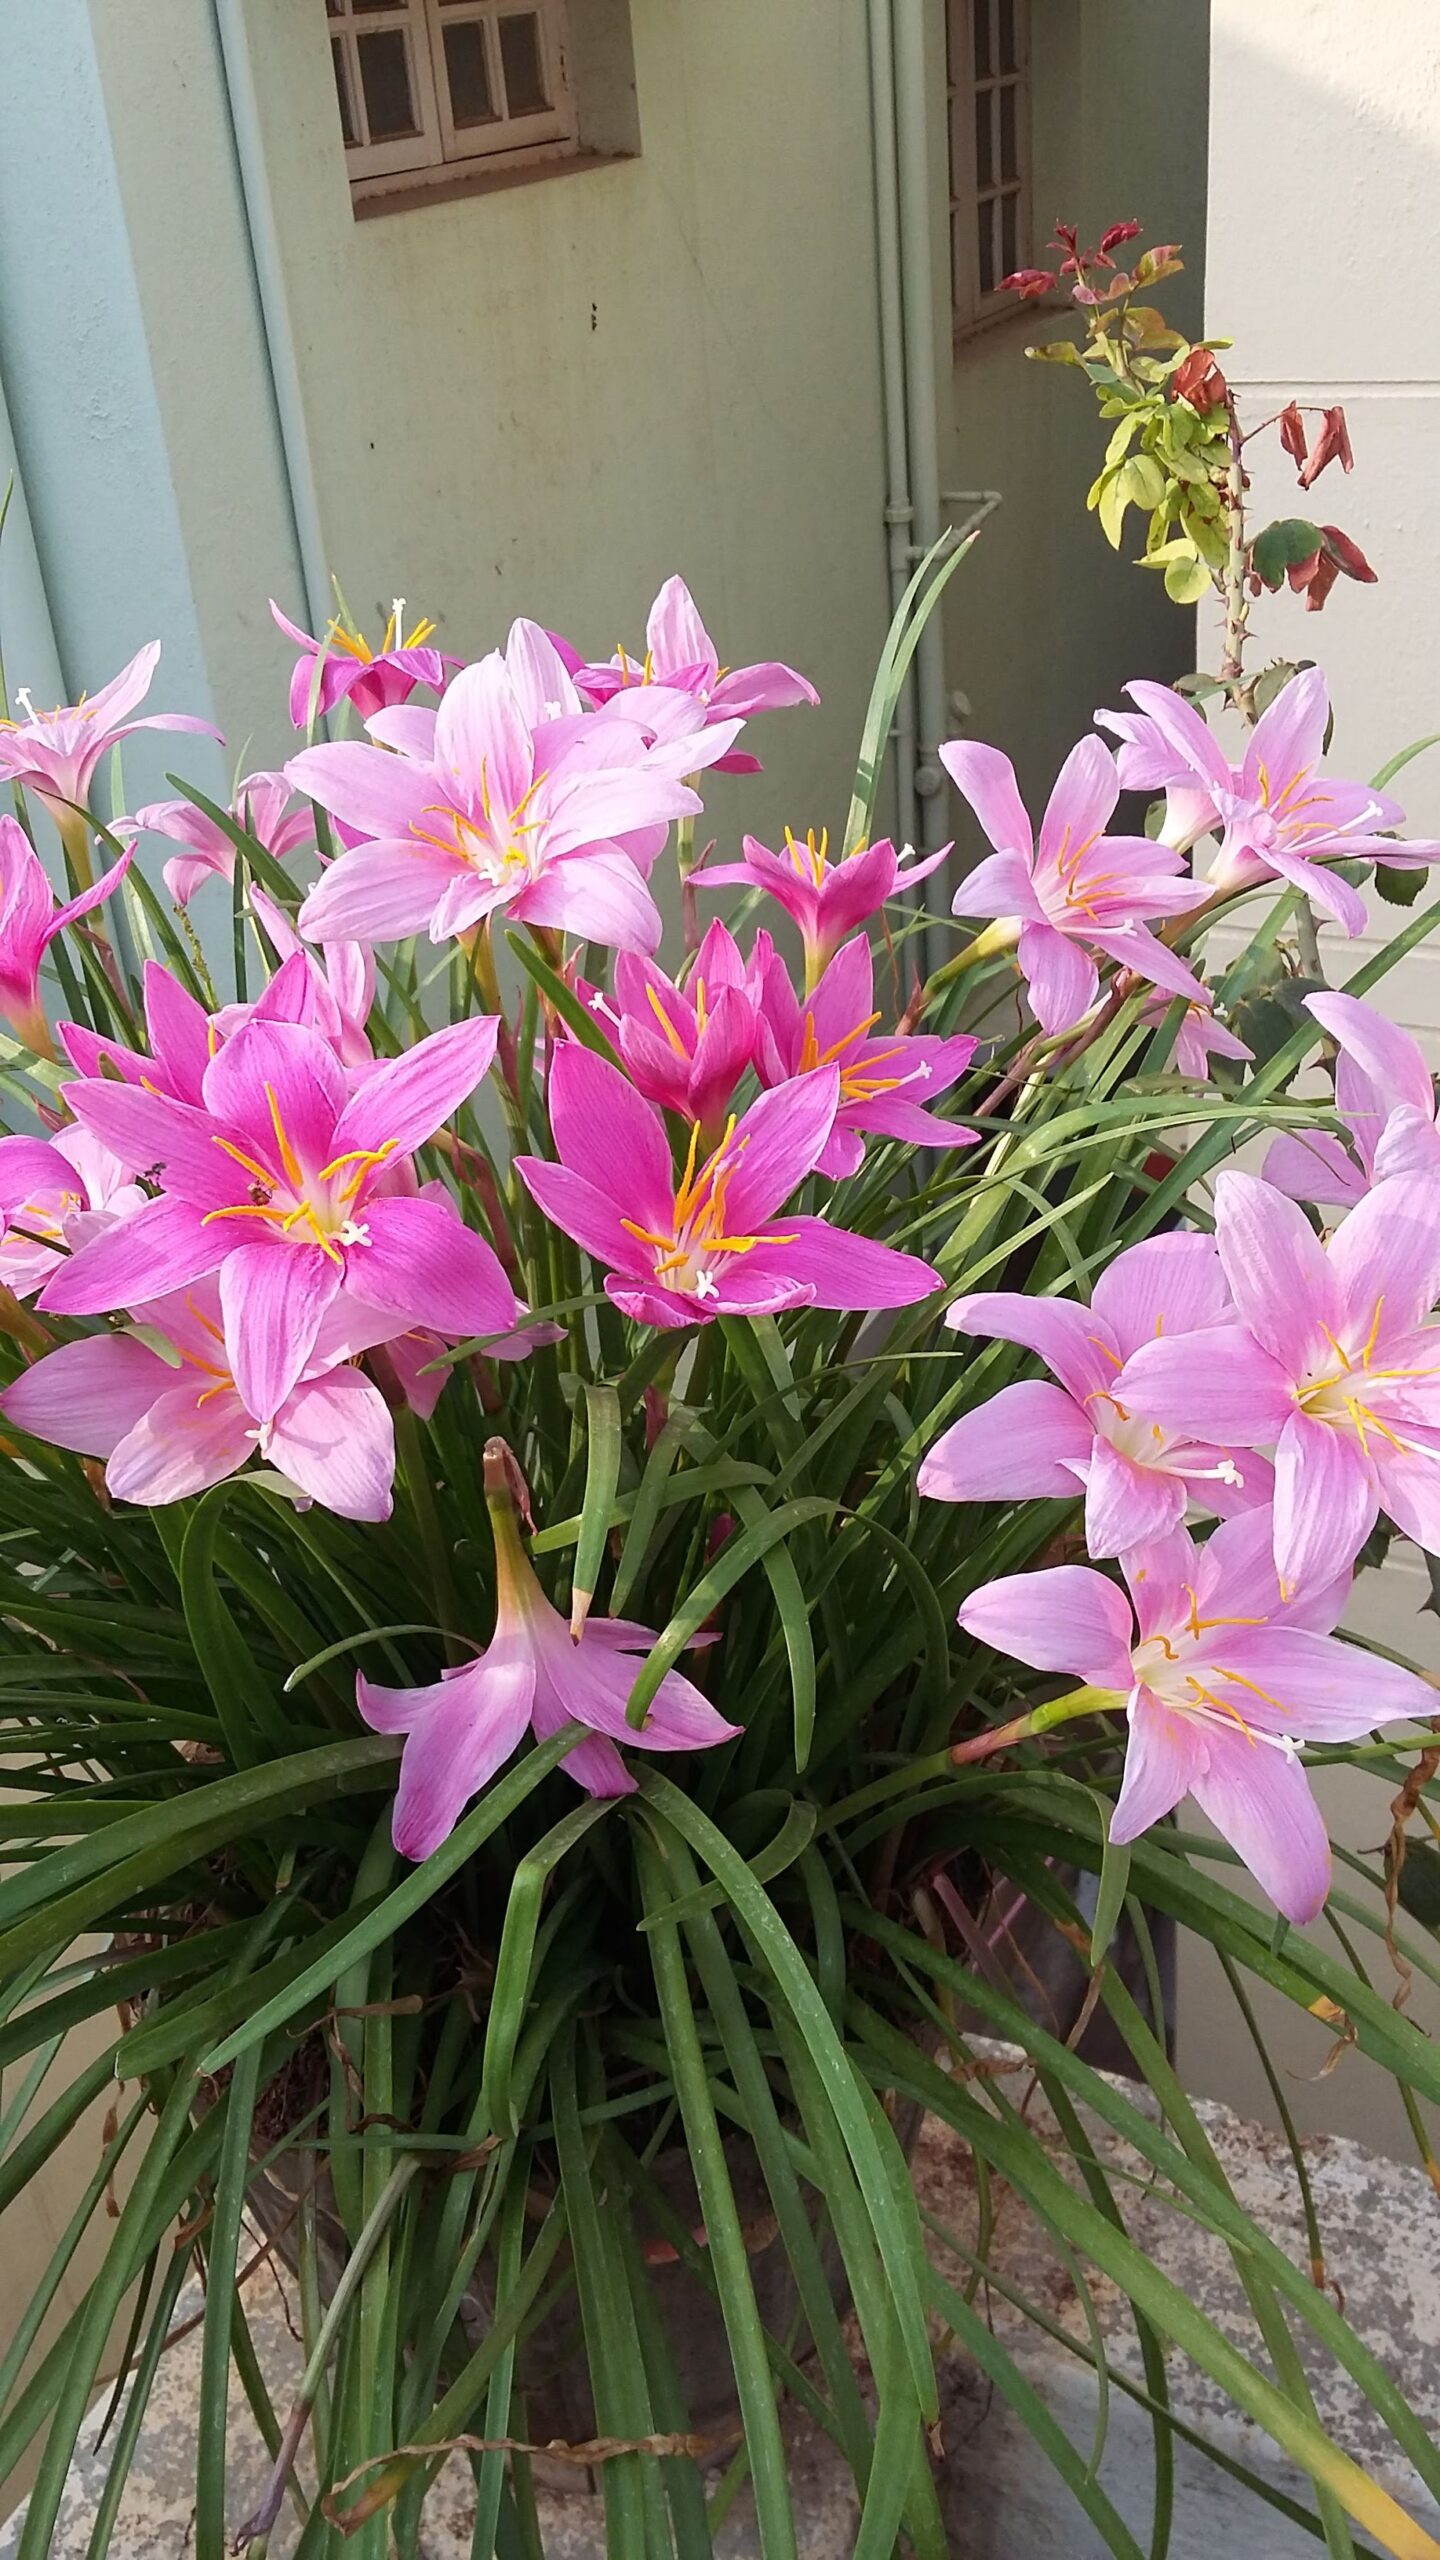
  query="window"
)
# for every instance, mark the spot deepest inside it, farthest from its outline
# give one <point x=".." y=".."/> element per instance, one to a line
<point x="428" y="88"/>
<point x="988" y="77"/>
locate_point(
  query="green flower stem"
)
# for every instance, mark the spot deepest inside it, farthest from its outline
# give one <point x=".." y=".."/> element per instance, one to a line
<point x="257" y="2528"/>
<point x="1076" y="1702"/>
<point x="996" y="938"/>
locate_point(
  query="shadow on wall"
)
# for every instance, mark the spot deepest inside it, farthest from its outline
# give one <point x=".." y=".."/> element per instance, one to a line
<point x="1044" y="621"/>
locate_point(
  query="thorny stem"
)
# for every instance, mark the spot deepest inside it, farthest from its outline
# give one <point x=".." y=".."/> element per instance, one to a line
<point x="1237" y="602"/>
<point x="1237" y="618"/>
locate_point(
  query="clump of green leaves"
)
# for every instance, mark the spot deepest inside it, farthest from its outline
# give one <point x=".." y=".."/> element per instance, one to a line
<point x="1176" y="444"/>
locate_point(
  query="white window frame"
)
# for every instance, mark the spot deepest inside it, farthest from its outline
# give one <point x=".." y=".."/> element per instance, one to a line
<point x="973" y="307"/>
<point x="442" y="149"/>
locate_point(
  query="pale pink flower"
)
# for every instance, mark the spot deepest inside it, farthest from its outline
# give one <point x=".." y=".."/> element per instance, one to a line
<point x="30" y="919"/>
<point x="55" y="753"/>
<point x="532" y="1674"/>
<point x="679" y="653"/>
<point x="1037" y="1442"/>
<point x="1385" y="1095"/>
<point x="261" y="808"/>
<point x="1072" y="891"/>
<point x="1219" y="1679"/>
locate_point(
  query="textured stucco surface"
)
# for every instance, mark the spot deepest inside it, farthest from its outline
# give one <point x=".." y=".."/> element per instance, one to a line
<point x="1382" y="2242"/>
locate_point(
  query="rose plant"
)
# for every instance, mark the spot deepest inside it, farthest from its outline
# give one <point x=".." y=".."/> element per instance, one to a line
<point x="383" y="1329"/>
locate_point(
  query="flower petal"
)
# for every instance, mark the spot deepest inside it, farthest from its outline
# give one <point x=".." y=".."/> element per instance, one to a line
<point x="1062" y="978"/>
<point x="1127" y="1505"/>
<point x="837" y="1269"/>
<point x="1165" y="1285"/>
<point x="1213" y="1385"/>
<point x="335" y="1439"/>
<point x="1386" y="1255"/>
<point x="986" y="778"/>
<point x="88" y="1394"/>
<point x="1028" y="1443"/>
<point x="405" y="1100"/>
<point x="1163" y="1757"/>
<point x="272" y="1298"/>
<point x="1064" y="1618"/>
<point x="604" y="1132"/>
<point x="1326" y="1503"/>
<point x="423" y="1263"/>
<point x="1285" y="1290"/>
<point x="166" y="1245"/>
<point x="187" y="1441"/>
<point x="1074" y="1341"/>
<point x="1261" y="1803"/>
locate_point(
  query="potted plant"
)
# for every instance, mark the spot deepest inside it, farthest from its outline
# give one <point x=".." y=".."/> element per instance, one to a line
<point x="579" y="1527"/>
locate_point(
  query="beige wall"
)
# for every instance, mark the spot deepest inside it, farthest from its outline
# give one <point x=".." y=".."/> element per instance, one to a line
<point x="545" y="399"/>
<point x="1324" y="238"/>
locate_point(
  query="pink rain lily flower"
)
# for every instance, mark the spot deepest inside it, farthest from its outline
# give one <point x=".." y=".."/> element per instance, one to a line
<point x="827" y="900"/>
<point x="680" y="653"/>
<point x="1075" y="890"/>
<point x="681" y="1253"/>
<point x="1386" y="1097"/>
<point x="485" y="820"/>
<point x="55" y="753"/>
<point x="183" y="1038"/>
<point x="55" y="1195"/>
<point x="260" y="807"/>
<point x="1278" y="815"/>
<point x="161" y="1407"/>
<point x="887" y="1079"/>
<point x="372" y="679"/>
<point x="688" y="1047"/>
<point x="1219" y="1678"/>
<point x="30" y="919"/>
<point x="290" y="1186"/>
<point x="1333" y="1361"/>
<point x="1033" y="1441"/>
<point x="340" y="987"/>
<point x="462" y="1728"/>
<point x="1201" y="1037"/>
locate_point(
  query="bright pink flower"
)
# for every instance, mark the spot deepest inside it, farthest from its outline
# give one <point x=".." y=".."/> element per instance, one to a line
<point x="1279" y="816"/>
<point x="486" y="816"/>
<point x="680" y="653"/>
<point x="827" y="900"/>
<point x="1385" y="1096"/>
<point x="340" y="989"/>
<point x="372" y="679"/>
<point x="55" y="1195"/>
<point x="290" y="1186"/>
<point x="55" y="753"/>
<point x="29" y="922"/>
<point x="1220" y="1679"/>
<point x="1038" y="1442"/>
<point x="1333" y="1361"/>
<point x="260" y="806"/>
<point x="1077" y="890"/>
<point x="184" y="1038"/>
<point x="886" y="1078"/>
<point x="460" y="1730"/>
<point x="688" y="1047"/>
<point x="169" y="1422"/>
<point x="678" y="1254"/>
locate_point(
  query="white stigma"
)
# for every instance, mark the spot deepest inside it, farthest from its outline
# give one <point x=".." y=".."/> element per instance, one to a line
<point x="22" y="695"/>
<point x="705" y="1285"/>
<point x="353" y="1233"/>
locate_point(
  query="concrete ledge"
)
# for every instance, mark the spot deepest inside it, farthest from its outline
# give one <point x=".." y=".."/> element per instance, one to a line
<point x="1380" y="2227"/>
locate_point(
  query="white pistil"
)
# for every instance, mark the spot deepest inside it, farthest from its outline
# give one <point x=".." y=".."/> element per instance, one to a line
<point x="705" y="1285"/>
<point x="353" y="1232"/>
